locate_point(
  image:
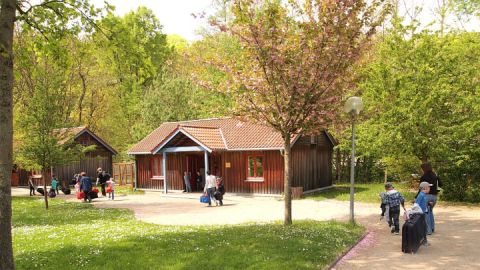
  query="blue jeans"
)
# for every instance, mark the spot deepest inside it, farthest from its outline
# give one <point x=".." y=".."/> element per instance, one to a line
<point x="429" y="217"/>
<point x="210" y="192"/>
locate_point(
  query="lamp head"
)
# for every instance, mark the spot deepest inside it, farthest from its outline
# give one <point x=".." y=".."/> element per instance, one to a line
<point x="353" y="105"/>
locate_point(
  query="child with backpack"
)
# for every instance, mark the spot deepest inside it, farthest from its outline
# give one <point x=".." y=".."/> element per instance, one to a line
<point x="393" y="200"/>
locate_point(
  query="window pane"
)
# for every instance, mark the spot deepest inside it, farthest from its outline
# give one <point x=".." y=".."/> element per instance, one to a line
<point x="251" y="169"/>
<point x="259" y="167"/>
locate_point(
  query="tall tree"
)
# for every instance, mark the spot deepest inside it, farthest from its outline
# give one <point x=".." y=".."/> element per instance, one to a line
<point x="295" y="58"/>
<point x="421" y="96"/>
<point x="135" y="51"/>
<point x="7" y="20"/>
<point x="44" y="16"/>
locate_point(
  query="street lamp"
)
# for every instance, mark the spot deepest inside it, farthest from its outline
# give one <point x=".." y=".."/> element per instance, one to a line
<point x="353" y="106"/>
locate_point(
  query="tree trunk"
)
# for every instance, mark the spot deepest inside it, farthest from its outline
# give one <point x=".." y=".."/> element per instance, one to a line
<point x="338" y="166"/>
<point x="7" y="20"/>
<point x="45" y="193"/>
<point x="287" y="181"/>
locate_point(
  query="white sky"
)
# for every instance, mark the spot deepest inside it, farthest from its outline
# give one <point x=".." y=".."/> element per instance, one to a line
<point x="176" y="18"/>
<point x="174" y="15"/>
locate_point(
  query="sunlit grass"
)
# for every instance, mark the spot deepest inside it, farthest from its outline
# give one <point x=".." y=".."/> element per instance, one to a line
<point x="75" y="235"/>
<point x="363" y="192"/>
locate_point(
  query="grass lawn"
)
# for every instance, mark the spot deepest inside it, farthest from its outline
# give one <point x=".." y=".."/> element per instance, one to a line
<point x="119" y="190"/>
<point x="368" y="193"/>
<point x="75" y="235"/>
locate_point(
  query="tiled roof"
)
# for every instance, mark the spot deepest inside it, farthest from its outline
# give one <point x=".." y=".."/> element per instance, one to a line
<point x="66" y="134"/>
<point x="237" y="135"/>
<point x="210" y="137"/>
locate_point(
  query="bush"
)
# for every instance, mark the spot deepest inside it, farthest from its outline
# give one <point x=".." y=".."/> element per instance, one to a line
<point x="460" y="185"/>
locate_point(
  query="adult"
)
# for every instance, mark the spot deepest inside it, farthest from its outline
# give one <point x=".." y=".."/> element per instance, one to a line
<point x="86" y="186"/>
<point x="209" y="189"/>
<point x="31" y="186"/>
<point x="102" y="178"/>
<point x="199" y="181"/>
<point x="186" y="180"/>
<point x="430" y="177"/>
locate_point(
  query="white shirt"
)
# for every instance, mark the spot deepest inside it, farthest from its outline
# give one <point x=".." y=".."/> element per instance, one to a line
<point x="210" y="182"/>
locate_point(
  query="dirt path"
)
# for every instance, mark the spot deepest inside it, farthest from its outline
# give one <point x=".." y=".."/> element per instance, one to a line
<point x="455" y="244"/>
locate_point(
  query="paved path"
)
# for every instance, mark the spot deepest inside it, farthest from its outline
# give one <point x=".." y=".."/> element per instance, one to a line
<point x="455" y="245"/>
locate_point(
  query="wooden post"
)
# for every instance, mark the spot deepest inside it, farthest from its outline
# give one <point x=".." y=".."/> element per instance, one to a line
<point x="164" y="170"/>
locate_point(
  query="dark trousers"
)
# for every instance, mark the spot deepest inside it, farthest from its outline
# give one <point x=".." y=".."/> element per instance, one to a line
<point x="394" y="215"/>
<point x="102" y="186"/>
<point x="32" y="190"/>
<point x="88" y="196"/>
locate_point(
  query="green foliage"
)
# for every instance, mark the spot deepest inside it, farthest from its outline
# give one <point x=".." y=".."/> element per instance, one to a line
<point x="73" y="235"/>
<point x="134" y="51"/>
<point x="42" y="94"/>
<point x="422" y="99"/>
<point x="460" y="184"/>
<point x="401" y="168"/>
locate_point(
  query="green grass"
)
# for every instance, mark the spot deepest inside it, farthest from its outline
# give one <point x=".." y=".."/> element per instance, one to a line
<point x="368" y="193"/>
<point x="76" y="235"/>
<point x="127" y="190"/>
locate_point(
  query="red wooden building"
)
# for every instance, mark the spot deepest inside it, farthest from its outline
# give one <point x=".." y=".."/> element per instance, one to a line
<point x="247" y="156"/>
<point x="100" y="157"/>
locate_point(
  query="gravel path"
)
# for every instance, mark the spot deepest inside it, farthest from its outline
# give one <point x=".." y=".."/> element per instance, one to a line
<point x="455" y="244"/>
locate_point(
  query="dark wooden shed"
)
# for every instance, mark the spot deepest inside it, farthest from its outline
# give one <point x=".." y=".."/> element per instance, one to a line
<point x="247" y="156"/>
<point x="101" y="157"/>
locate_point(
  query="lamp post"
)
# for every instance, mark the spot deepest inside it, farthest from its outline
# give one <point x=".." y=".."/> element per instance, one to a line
<point x="353" y="106"/>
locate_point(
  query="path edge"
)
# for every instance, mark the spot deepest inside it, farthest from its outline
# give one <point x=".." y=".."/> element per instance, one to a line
<point x="339" y="258"/>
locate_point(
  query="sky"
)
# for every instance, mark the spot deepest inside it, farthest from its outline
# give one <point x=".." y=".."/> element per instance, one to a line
<point x="176" y="15"/>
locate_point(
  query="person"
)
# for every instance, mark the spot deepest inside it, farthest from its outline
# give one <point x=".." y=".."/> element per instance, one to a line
<point x="54" y="184"/>
<point x="430" y="177"/>
<point x="383" y="206"/>
<point x="423" y="202"/>
<point x="102" y="178"/>
<point x="393" y="200"/>
<point x="111" y="188"/>
<point x="186" y="180"/>
<point x="86" y="186"/>
<point x="220" y="190"/>
<point x="31" y="186"/>
<point x="199" y="181"/>
<point x="209" y="188"/>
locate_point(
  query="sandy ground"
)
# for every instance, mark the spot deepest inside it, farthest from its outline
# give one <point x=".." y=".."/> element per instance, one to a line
<point x="454" y="245"/>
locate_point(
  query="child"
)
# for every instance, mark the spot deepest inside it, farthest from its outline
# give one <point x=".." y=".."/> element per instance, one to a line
<point x="383" y="205"/>
<point x="393" y="200"/>
<point x="423" y="203"/>
<point x="220" y="190"/>
<point x="54" y="184"/>
<point x="110" y="188"/>
<point x="31" y="186"/>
